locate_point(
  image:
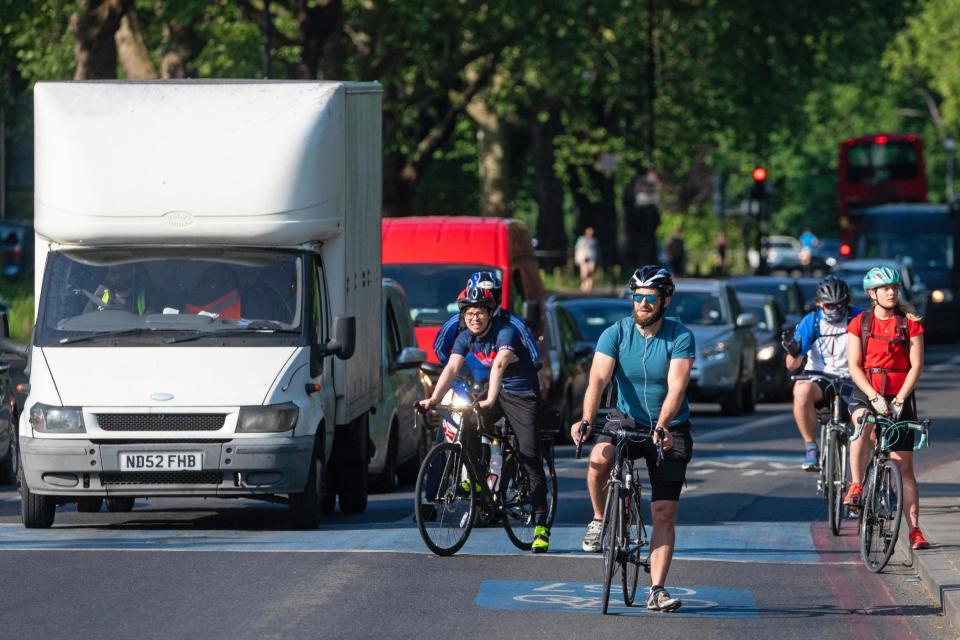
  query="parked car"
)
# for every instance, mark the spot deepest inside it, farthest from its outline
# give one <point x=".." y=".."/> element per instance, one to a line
<point x="786" y="290"/>
<point x="852" y="271"/>
<point x="725" y="367"/>
<point x="785" y="252"/>
<point x="399" y="441"/>
<point x="773" y="380"/>
<point x="594" y="314"/>
<point x="16" y="239"/>
<point x="569" y="356"/>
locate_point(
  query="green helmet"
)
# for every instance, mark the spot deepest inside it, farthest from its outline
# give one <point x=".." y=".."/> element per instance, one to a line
<point x="881" y="277"/>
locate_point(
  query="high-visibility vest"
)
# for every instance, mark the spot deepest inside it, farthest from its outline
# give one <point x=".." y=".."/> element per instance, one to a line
<point x="141" y="300"/>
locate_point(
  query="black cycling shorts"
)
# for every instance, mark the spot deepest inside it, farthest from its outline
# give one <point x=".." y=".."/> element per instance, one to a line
<point x="905" y="441"/>
<point x="668" y="477"/>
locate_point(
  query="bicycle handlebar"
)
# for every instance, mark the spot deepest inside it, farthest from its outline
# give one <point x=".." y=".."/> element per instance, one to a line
<point x="821" y="375"/>
<point x="619" y="433"/>
<point x="889" y="426"/>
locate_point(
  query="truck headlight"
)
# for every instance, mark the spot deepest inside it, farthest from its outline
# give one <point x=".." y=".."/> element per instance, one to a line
<point x="715" y="351"/>
<point x="766" y="353"/>
<point x="272" y="418"/>
<point x="47" y="419"/>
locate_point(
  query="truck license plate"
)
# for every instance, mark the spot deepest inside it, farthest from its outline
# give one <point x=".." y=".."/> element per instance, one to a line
<point x="167" y="461"/>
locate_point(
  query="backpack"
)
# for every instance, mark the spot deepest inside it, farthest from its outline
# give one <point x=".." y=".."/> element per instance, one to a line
<point x="902" y="334"/>
<point x="452" y="328"/>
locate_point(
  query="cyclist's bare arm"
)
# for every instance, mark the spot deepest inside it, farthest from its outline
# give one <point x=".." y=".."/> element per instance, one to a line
<point x="916" y="367"/>
<point x="504" y="358"/>
<point x="854" y="358"/>
<point x="601" y="373"/>
<point x="678" y="377"/>
<point x="454" y="364"/>
<point x="793" y="363"/>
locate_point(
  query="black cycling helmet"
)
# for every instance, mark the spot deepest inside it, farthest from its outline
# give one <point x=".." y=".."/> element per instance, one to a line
<point x="652" y="277"/>
<point x="477" y="297"/>
<point x="833" y="290"/>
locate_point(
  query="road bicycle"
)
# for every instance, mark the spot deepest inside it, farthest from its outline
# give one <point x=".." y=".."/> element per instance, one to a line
<point x="457" y="487"/>
<point x="623" y="534"/>
<point x="834" y="444"/>
<point x="882" y="498"/>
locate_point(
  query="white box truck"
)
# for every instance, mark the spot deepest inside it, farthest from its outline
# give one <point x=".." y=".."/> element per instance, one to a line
<point x="208" y="308"/>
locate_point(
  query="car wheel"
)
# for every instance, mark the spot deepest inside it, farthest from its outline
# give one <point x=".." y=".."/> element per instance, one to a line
<point x="304" y="507"/>
<point x="38" y="512"/>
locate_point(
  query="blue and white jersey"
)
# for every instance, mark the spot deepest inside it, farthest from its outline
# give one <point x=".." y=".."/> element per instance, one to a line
<point x="824" y="342"/>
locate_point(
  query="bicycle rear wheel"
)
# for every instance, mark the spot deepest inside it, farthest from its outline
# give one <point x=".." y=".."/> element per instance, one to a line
<point x="835" y="482"/>
<point x="515" y="499"/>
<point x="445" y="503"/>
<point x="612" y="541"/>
<point x="883" y="508"/>
<point x="635" y="538"/>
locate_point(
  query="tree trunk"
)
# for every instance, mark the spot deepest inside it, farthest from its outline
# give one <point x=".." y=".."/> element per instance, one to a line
<point x="180" y="46"/>
<point x="599" y="212"/>
<point x="93" y="28"/>
<point x="134" y="56"/>
<point x="491" y="142"/>
<point x="551" y="234"/>
<point x="317" y="29"/>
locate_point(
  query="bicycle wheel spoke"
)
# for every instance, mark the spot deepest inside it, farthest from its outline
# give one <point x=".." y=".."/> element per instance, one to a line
<point x="444" y="497"/>
<point x="634" y="541"/>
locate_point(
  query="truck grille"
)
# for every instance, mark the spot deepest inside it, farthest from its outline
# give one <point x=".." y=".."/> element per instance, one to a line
<point x="161" y="421"/>
<point x="162" y="477"/>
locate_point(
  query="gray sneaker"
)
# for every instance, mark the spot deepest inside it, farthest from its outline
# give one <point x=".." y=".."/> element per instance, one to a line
<point x="660" y="600"/>
<point x="591" y="539"/>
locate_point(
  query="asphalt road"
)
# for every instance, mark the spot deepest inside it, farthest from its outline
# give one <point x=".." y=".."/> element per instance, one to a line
<point x="755" y="560"/>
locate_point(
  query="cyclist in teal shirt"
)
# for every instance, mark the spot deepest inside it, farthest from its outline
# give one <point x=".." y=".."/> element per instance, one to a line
<point x="651" y="357"/>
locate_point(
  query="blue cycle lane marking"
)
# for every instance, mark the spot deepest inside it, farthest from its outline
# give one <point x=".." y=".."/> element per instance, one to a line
<point x="586" y="597"/>
<point x="782" y="543"/>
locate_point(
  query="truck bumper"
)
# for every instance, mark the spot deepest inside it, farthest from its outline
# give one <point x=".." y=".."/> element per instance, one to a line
<point x="232" y="468"/>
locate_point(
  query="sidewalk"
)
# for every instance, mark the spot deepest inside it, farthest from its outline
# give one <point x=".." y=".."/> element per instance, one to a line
<point x="938" y="566"/>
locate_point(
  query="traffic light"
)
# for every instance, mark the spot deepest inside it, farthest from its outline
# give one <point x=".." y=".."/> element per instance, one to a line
<point x="759" y="190"/>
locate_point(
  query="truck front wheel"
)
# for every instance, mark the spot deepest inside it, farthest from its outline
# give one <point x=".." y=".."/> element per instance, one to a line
<point x="305" y="507"/>
<point x="352" y="481"/>
<point x="38" y="511"/>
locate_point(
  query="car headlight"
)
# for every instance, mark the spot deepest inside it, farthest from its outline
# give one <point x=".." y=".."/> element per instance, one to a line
<point x="766" y="353"/>
<point x="47" y="419"/>
<point x="941" y="295"/>
<point x="715" y="351"/>
<point x="272" y="418"/>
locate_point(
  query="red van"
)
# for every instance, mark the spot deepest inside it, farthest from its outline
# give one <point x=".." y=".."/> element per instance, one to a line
<point x="432" y="257"/>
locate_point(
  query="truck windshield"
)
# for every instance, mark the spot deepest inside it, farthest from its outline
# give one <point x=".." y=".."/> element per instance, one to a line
<point x="145" y="296"/>
<point x="432" y="289"/>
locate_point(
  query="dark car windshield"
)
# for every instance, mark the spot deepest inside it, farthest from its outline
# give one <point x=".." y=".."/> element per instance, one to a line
<point x="785" y="292"/>
<point x="593" y="316"/>
<point x="150" y="296"/>
<point x="928" y="251"/>
<point x="432" y="289"/>
<point x="762" y="312"/>
<point x="697" y="307"/>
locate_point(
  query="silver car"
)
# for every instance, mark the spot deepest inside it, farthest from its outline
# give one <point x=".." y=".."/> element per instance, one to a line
<point x="399" y="441"/>
<point x="725" y="367"/>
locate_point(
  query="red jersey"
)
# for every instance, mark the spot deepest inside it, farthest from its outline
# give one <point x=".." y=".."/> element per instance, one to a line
<point x="886" y="355"/>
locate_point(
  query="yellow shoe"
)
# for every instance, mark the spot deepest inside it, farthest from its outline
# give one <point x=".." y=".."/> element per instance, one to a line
<point x="541" y="539"/>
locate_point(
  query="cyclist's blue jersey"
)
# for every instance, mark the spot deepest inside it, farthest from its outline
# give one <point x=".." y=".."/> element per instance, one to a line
<point x="519" y="377"/>
<point x="451" y="329"/>
<point x="825" y="341"/>
<point x="642" y="366"/>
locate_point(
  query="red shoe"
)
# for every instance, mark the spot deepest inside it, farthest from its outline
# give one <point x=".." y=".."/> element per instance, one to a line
<point x="917" y="541"/>
<point x="854" y="495"/>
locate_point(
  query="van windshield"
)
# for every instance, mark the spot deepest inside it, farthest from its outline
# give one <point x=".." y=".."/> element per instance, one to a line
<point x="144" y="296"/>
<point x="432" y="288"/>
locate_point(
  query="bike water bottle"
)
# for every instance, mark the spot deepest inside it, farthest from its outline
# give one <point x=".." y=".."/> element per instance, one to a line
<point x="496" y="461"/>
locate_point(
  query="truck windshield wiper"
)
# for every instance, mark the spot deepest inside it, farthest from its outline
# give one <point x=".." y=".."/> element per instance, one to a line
<point x="228" y="333"/>
<point x="105" y="334"/>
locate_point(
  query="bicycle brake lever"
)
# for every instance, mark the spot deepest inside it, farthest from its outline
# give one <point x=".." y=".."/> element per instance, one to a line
<point x="583" y="427"/>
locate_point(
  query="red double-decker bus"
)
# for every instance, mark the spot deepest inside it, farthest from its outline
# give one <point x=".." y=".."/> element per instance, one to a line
<point x="877" y="169"/>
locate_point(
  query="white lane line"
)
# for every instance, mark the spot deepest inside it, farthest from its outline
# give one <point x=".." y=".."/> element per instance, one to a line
<point x="729" y="433"/>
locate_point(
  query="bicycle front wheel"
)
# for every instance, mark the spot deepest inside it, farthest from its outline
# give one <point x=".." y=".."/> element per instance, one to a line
<point x="516" y="500"/>
<point x="835" y="482"/>
<point x="612" y="541"/>
<point x="883" y="508"/>
<point x="444" y="498"/>
<point x="635" y="538"/>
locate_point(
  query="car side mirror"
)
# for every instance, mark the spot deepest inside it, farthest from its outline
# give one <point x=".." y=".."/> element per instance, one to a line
<point x="582" y="349"/>
<point x="746" y="320"/>
<point x="432" y="369"/>
<point x="344" y="338"/>
<point x="409" y="358"/>
<point x="6" y="344"/>
<point x="531" y="314"/>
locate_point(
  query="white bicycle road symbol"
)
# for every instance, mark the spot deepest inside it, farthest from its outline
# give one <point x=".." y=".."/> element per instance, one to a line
<point x="555" y="594"/>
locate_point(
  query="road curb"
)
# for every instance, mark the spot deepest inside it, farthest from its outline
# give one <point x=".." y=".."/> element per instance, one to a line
<point x="938" y="573"/>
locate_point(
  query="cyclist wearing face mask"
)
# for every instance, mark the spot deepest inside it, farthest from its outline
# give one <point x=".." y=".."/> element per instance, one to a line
<point x="821" y="340"/>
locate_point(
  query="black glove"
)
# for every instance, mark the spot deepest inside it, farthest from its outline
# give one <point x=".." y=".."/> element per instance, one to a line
<point x="791" y="347"/>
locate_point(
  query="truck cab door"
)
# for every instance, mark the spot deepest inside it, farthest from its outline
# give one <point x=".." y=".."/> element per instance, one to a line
<point x="321" y="366"/>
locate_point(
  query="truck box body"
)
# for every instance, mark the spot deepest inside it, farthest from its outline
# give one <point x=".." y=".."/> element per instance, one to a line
<point x="162" y="176"/>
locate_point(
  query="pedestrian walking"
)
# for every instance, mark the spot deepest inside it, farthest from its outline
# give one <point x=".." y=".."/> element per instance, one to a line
<point x="586" y="254"/>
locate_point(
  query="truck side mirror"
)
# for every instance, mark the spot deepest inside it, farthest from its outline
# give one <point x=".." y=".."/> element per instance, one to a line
<point x="344" y="338"/>
<point x="531" y="314"/>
